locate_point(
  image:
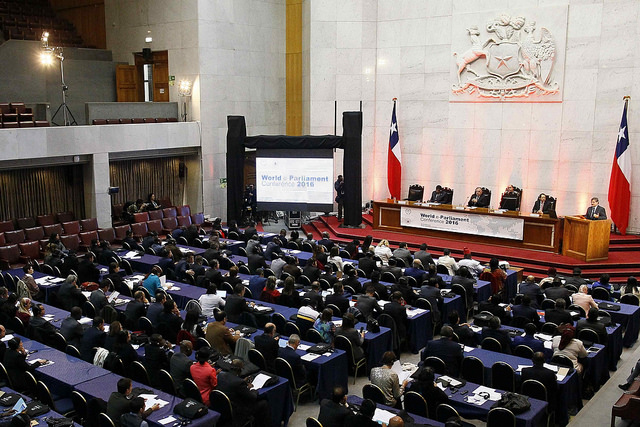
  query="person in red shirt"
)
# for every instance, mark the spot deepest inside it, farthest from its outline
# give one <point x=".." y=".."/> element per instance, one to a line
<point x="204" y="375"/>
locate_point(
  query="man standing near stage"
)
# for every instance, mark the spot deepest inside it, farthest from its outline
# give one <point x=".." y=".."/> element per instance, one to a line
<point x="339" y="186"/>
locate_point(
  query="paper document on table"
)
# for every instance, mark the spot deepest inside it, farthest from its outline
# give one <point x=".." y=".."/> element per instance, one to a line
<point x="87" y="294"/>
<point x="167" y="420"/>
<point x="467" y="349"/>
<point x="475" y="328"/>
<point x="382" y="416"/>
<point x="452" y="381"/>
<point x="554" y="368"/>
<point x="338" y="323"/>
<point x="304" y="347"/>
<point x="521" y="367"/>
<point x="131" y="255"/>
<point x="152" y="399"/>
<point x="262" y="308"/>
<point x="56" y="280"/>
<point x="562" y="373"/>
<point x="493" y="394"/>
<point x="310" y="356"/>
<point x="259" y="381"/>
<point x="548" y="345"/>
<point x="6" y="338"/>
<point x="85" y="320"/>
<point x="411" y="313"/>
<point x="545" y="337"/>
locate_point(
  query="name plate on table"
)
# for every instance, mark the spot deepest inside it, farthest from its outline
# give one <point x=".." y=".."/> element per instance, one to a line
<point x="460" y="222"/>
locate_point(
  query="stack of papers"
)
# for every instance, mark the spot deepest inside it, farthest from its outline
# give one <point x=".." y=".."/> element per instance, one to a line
<point x="411" y="313"/>
<point x="310" y="356"/>
<point x="493" y="394"/>
<point x="259" y="381"/>
<point x="382" y="416"/>
<point x="544" y="337"/>
<point x="403" y="371"/>
<point x="152" y="399"/>
<point x="131" y="255"/>
<point x="262" y="308"/>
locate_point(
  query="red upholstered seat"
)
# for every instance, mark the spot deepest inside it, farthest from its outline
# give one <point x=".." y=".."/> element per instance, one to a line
<point x="71" y="227"/>
<point x="46" y="219"/>
<point x="155" y="225"/>
<point x="169" y="212"/>
<point x="107" y="234"/>
<point x="184" y="221"/>
<point x="121" y="232"/>
<point x="169" y="224"/>
<point x="34" y="233"/>
<point x="9" y="255"/>
<point x="628" y="405"/>
<point x="113" y="121"/>
<point x="86" y="237"/>
<point x="53" y="228"/>
<point x="157" y="214"/>
<point x="26" y="222"/>
<point x="14" y="237"/>
<point x="137" y="120"/>
<point x="3" y="241"/>
<point x="70" y="241"/>
<point x="141" y="217"/>
<point x="89" y="224"/>
<point x="29" y="251"/>
<point x="65" y="217"/>
<point x="6" y="226"/>
<point x="139" y="229"/>
<point x="99" y="122"/>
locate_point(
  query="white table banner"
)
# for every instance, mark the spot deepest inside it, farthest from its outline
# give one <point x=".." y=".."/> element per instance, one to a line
<point x="461" y="222"/>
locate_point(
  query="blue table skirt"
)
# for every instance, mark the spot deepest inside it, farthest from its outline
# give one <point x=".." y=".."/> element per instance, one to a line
<point x="40" y="418"/>
<point x="629" y="318"/>
<point x="280" y="401"/>
<point x="356" y="400"/>
<point x="103" y="387"/>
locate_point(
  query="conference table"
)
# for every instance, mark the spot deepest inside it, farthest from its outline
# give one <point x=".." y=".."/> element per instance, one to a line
<point x="568" y="389"/>
<point x="356" y="400"/>
<point x="102" y="387"/>
<point x="40" y="419"/>
<point x="629" y="317"/>
<point x="66" y="372"/>
<point x="479" y="225"/>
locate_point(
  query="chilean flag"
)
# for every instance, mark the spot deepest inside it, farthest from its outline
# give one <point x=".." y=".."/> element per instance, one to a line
<point x="394" y="158"/>
<point x="620" y="183"/>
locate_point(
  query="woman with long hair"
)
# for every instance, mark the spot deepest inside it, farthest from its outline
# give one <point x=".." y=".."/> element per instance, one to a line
<point x="631" y="287"/>
<point x="383" y="251"/>
<point x="565" y="344"/>
<point x="325" y="326"/>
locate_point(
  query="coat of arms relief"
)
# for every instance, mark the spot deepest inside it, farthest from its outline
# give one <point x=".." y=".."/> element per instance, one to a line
<point x="510" y="58"/>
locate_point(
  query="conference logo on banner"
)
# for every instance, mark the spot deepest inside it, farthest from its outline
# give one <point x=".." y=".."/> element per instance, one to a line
<point x="465" y="223"/>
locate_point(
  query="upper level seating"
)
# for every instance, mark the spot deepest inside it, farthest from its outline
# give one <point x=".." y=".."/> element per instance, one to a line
<point x="17" y="115"/>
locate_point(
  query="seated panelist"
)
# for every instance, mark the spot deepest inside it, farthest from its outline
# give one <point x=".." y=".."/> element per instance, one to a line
<point x="542" y="205"/>
<point x="510" y="199"/>
<point x="438" y="195"/>
<point x="479" y="199"/>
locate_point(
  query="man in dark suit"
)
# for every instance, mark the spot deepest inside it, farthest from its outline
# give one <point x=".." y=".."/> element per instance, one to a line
<point x="444" y="348"/>
<point x="492" y="305"/>
<point x="180" y="365"/>
<point x="289" y="354"/>
<point x="392" y="268"/>
<point x="267" y="344"/>
<point x="591" y="322"/>
<point x="367" y="264"/>
<point x="364" y="417"/>
<point x="380" y="289"/>
<point x="546" y="376"/>
<point x="98" y="297"/>
<point x="479" y="199"/>
<point x="250" y="231"/>
<point x="542" y="205"/>
<point x="3" y="345"/>
<point x="311" y="270"/>
<point x="397" y="311"/>
<point x="213" y="274"/>
<point x="87" y="270"/>
<point x="256" y="260"/>
<point x="315" y="296"/>
<point x="424" y="256"/>
<point x="404" y="254"/>
<point x="595" y="212"/>
<point x="119" y="402"/>
<point x="169" y="321"/>
<point x="135" y="309"/>
<point x="328" y="275"/>
<point x="92" y="337"/>
<point x="557" y="290"/>
<point x="42" y="329"/>
<point x="528" y="339"/>
<point x="69" y="294"/>
<point x="156" y="308"/>
<point x="558" y="315"/>
<point x="273" y="247"/>
<point x="576" y="279"/>
<point x="529" y="287"/>
<point x="416" y="270"/>
<point x="337" y="298"/>
<point x="237" y="309"/>
<point x="326" y="241"/>
<point x="71" y="329"/>
<point x="367" y="303"/>
<point x="246" y="402"/>
<point x="526" y="311"/>
<point x="438" y="195"/>
<point x="465" y="279"/>
<point x="463" y="331"/>
<point x="494" y="331"/>
<point x="431" y="293"/>
<point x="333" y="411"/>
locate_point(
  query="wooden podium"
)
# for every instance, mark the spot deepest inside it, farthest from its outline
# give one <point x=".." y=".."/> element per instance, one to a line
<point x="585" y="239"/>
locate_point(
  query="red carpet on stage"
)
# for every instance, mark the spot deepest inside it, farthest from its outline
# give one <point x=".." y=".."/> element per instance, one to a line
<point x="624" y="251"/>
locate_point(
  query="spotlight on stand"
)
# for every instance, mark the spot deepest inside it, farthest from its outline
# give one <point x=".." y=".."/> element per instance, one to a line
<point x="48" y="55"/>
<point x="184" y="90"/>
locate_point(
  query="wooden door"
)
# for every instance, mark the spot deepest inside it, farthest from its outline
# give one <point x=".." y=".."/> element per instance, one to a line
<point x="127" y="83"/>
<point x="161" y="76"/>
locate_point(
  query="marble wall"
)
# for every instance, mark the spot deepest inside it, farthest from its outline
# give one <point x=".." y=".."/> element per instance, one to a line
<point x="373" y="51"/>
<point x="233" y="51"/>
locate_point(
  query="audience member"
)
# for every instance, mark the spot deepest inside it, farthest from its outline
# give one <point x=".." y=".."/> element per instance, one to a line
<point x="447" y="260"/>
<point x="583" y="299"/>
<point x="445" y="349"/>
<point x="246" y="402"/>
<point x="289" y="354"/>
<point x="591" y="322"/>
<point x="494" y="331"/>
<point x="558" y="315"/>
<point x="367" y="303"/>
<point x="71" y="329"/>
<point x="204" y="375"/>
<point x="333" y="412"/>
<point x="267" y="344"/>
<point x="383" y="251"/>
<point x="219" y="336"/>
<point x="388" y="380"/>
<point x="325" y="326"/>
<point x="425" y="385"/>
<point x="211" y="300"/>
<point x="337" y="298"/>
<point x="180" y="365"/>
<point x="15" y="362"/>
<point x="546" y="376"/>
<point x="528" y="339"/>
<point x="404" y="254"/>
<point x="565" y="344"/>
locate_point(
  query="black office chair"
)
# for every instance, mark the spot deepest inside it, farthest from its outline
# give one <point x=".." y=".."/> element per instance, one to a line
<point x="416" y="193"/>
<point x="88" y="310"/>
<point x="523" y="351"/>
<point x="449" y="196"/>
<point x="313" y="336"/>
<point x="139" y="373"/>
<point x="104" y="420"/>
<point x="220" y="403"/>
<point x="58" y="342"/>
<point x="437" y="364"/>
<point x="549" y="328"/>
<point x="62" y="406"/>
<point x="491" y="344"/>
<point x="190" y="389"/>
<point x="414" y="403"/>
<point x="79" y="407"/>
<point x="472" y="369"/>
<point x="442" y="269"/>
<point x="389" y="322"/>
<point x="5" y="380"/>
<point x="343" y="343"/>
<point x="388" y="276"/>
<point x="630" y="299"/>
<point x="588" y="337"/>
<point x="72" y="351"/>
<point x="445" y="411"/>
<point x="601" y="293"/>
<point x="562" y="360"/>
<point x="144" y="324"/>
<point x="336" y="310"/>
<point x="166" y="383"/>
<point x="256" y="357"/>
<point x="579" y="309"/>
<point x="291" y="328"/>
<point x="280" y="321"/>
<point x="283" y="369"/>
<point x="501" y="417"/>
<point x="548" y="304"/>
<point x="536" y="390"/>
<point x="503" y="377"/>
<point x="373" y="392"/>
<point x="511" y="202"/>
<point x="312" y="422"/>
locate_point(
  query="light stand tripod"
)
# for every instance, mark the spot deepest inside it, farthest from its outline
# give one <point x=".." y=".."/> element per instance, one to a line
<point x="67" y="115"/>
